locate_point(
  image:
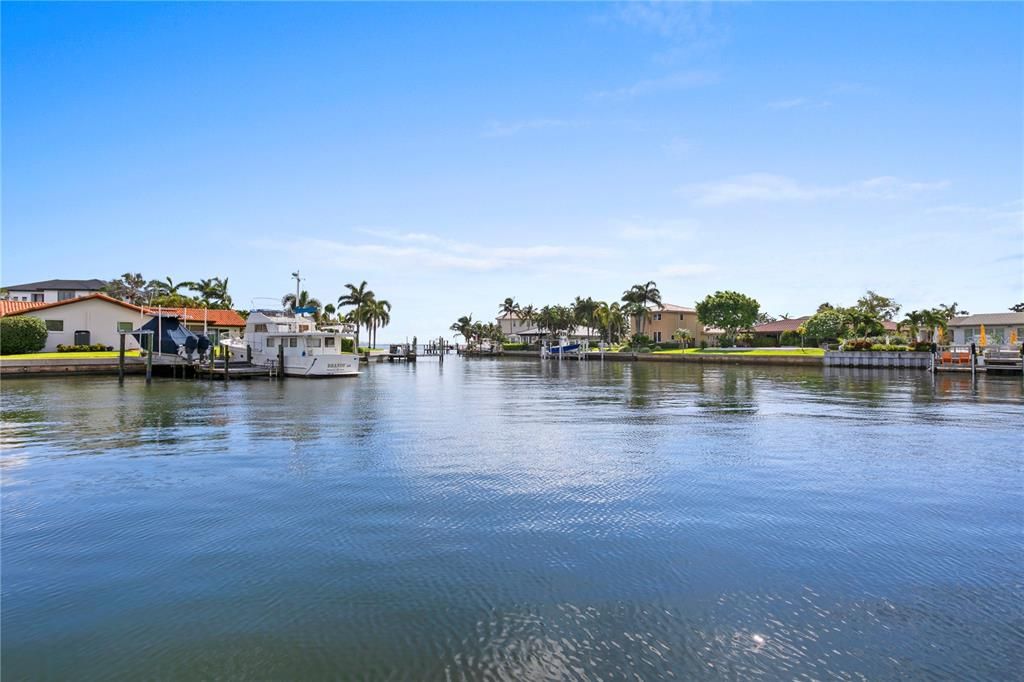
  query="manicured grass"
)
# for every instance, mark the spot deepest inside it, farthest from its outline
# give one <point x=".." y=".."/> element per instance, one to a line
<point x="70" y="356"/>
<point x="804" y="352"/>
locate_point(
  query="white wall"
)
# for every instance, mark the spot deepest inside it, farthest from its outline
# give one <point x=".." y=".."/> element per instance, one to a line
<point x="97" y="316"/>
<point x="49" y="295"/>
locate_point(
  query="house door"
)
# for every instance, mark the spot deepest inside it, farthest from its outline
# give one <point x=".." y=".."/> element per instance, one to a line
<point x="82" y="338"/>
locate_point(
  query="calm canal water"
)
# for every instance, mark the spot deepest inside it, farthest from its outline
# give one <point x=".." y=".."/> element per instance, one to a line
<point x="512" y="520"/>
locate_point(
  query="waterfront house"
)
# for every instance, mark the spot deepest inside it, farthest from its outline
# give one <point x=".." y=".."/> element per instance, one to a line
<point x="773" y="331"/>
<point x="998" y="328"/>
<point x="91" y="319"/>
<point x="54" y="290"/>
<point x="666" y="319"/>
<point x="513" y="326"/>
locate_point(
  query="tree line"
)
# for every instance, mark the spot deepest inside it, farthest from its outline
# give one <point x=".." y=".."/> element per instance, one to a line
<point x="366" y="310"/>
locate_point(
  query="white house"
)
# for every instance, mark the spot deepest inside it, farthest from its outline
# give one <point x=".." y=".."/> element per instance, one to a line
<point x="95" y="318"/>
<point x="54" y="290"/>
<point x="1000" y="328"/>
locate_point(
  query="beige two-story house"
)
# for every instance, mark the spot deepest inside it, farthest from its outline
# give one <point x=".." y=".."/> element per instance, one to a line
<point x="665" y="320"/>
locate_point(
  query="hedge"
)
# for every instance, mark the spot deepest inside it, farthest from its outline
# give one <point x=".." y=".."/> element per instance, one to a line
<point x="82" y="348"/>
<point x="21" y="334"/>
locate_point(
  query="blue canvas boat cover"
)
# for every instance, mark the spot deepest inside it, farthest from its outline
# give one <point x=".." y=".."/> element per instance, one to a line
<point x="168" y="335"/>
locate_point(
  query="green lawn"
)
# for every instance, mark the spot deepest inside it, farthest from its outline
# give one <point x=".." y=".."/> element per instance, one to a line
<point x="70" y="356"/>
<point x="805" y="352"/>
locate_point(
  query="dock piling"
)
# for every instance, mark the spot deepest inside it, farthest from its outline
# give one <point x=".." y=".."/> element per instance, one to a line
<point x="280" y="360"/>
<point x="120" y="362"/>
<point x="149" y="358"/>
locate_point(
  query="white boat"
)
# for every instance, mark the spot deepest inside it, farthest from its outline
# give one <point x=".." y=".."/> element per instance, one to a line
<point x="308" y="352"/>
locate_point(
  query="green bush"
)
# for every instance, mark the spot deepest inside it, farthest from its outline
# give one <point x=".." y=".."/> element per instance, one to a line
<point x="703" y="344"/>
<point x="857" y="344"/>
<point x="348" y="345"/>
<point x="645" y="349"/>
<point x="21" y="334"/>
<point x="639" y="340"/>
<point x="888" y="347"/>
<point x="789" y="338"/>
<point x="514" y="346"/>
<point x="625" y="349"/>
<point x="83" y="348"/>
<point x="921" y="347"/>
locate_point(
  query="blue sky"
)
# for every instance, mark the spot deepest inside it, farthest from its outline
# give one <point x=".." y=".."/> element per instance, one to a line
<point x="455" y="154"/>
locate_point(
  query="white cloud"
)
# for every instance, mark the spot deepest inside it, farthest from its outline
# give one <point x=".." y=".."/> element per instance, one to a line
<point x="769" y="187"/>
<point x="685" y="270"/>
<point x="509" y="128"/>
<point x="415" y="250"/>
<point x="677" y="81"/>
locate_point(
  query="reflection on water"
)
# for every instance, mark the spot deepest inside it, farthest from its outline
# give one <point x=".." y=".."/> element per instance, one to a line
<point x="515" y="520"/>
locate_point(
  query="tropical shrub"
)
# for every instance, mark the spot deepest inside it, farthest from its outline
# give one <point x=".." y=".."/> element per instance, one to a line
<point x="514" y="346"/>
<point x="645" y="349"/>
<point x="703" y="344"/>
<point x="670" y="345"/>
<point x="640" y="340"/>
<point x="21" y="334"/>
<point x="83" y="348"/>
<point x="828" y="324"/>
<point x="857" y="344"/>
<point x="921" y="347"/>
<point x="889" y="347"/>
<point x="625" y="349"/>
<point x="789" y="338"/>
<point x="348" y="345"/>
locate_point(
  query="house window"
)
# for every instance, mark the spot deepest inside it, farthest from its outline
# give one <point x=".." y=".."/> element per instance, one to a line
<point x="271" y="342"/>
<point x="65" y="295"/>
<point x="54" y="325"/>
<point x="680" y="317"/>
<point x="657" y="337"/>
<point x="260" y="328"/>
<point x="657" y="317"/>
<point x="36" y="298"/>
<point x="329" y="342"/>
<point x="293" y="342"/>
<point x="124" y="326"/>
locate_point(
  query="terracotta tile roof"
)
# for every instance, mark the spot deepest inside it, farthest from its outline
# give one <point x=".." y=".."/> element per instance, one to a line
<point x="11" y="307"/>
<point x="778" y="326"/>
<point x="220" y="318"/>
<point x="56" y="304"/>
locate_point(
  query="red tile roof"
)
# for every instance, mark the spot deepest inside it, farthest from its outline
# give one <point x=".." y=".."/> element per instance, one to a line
<point x="56" y="304"/>
<point x="779" y="326"/>
<point x="219" y="318"/>
<point x="12" y="307"/>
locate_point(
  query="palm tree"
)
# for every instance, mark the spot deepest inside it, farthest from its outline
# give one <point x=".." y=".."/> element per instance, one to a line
<point x="527" y="314"/>
<point x="508" y="307"/>
<point x="463" y="327"/>
<point x="639" y="296"/>
<point x="952" y="310"/>
<point x="328" y="313"/>
<point x="585" y="311"/>
<point x="358" y="298"/>
<point x="304" y="301"/>
<point x="911" y="323"/>
<point x="378" y="314"/>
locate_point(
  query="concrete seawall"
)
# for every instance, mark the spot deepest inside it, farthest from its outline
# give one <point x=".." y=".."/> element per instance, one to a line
<point x="878" y="359"/>
<point x="9" y="368"/>
<point x="698" y="358"/>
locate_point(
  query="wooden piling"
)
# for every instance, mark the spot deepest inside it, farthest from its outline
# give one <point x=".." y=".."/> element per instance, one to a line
<point x="248" y="354"/>
<point x="149" y="359"/>
<point x="280" y="359"/>
<point x="120" y="362"/>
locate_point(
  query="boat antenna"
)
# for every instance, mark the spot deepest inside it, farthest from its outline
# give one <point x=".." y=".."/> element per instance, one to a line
<point x="298" y="280"/>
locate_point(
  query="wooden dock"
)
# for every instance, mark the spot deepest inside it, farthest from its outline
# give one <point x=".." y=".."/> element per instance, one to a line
<point x="235" y="370"/>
